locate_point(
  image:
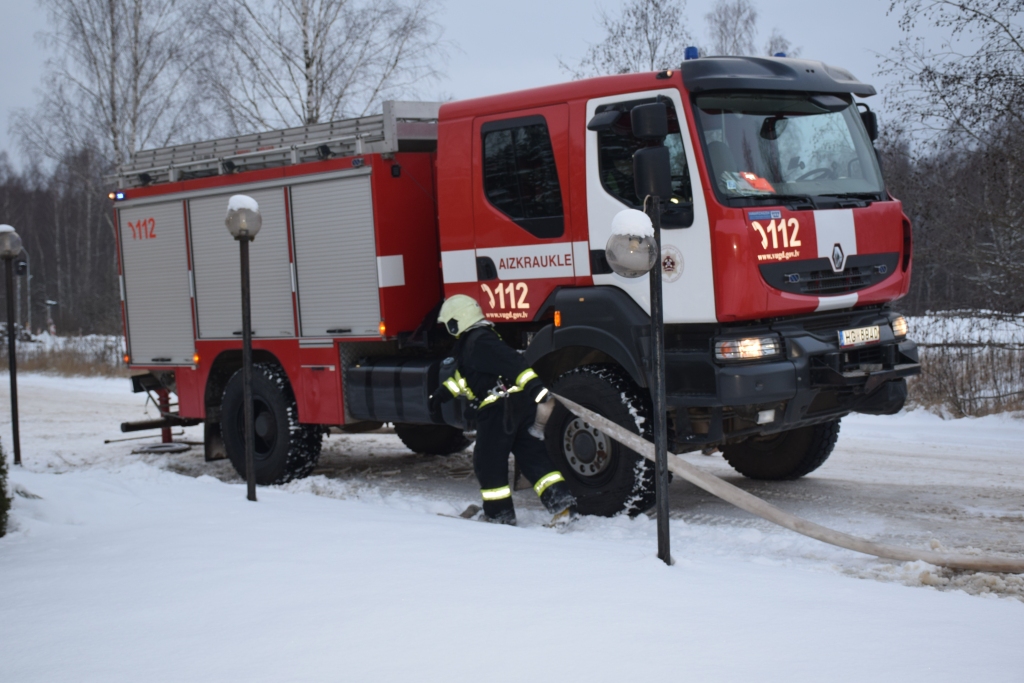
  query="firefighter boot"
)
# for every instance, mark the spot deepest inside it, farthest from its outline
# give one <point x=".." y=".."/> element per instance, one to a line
<point x="500" y="511"/>
<point x="559" y="501"/>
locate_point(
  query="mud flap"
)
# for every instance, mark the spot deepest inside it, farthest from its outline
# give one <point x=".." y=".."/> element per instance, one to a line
<point x="213" y="442"/>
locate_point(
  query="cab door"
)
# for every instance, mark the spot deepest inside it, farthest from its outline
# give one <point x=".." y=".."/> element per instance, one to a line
<point x="521" y="217"/>
<point x="687" y="274"/>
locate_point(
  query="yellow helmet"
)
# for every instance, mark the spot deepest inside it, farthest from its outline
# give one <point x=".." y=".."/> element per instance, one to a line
<point x="458" y="313"/>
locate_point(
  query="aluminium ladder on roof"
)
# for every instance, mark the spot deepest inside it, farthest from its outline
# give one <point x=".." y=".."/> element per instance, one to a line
<point x="401" y="126"/>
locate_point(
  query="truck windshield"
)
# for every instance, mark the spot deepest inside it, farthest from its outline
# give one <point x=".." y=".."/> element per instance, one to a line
<point x="764" y="145"/>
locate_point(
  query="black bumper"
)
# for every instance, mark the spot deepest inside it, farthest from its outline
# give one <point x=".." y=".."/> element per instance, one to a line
<point x="814" y="381"/>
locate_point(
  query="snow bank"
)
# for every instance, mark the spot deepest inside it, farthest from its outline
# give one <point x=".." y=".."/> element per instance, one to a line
<point x="122" y="570"/>
<point x="145" y="575"/>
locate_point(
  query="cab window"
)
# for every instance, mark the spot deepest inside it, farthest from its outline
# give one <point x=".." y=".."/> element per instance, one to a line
<point x="615" y="148"/>
<point x="520" y="178"/>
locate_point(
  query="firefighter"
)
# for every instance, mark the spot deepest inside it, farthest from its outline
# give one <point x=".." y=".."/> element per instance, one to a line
<point x="512" y="408"/>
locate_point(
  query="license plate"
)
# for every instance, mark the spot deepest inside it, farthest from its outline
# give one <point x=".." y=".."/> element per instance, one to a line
<point x="858" y="336"/>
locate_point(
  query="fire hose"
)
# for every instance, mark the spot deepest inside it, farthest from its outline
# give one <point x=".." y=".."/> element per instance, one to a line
<point x="754" y="505"/>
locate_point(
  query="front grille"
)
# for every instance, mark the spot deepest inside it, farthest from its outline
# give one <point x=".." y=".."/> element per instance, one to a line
<point x="830" y="323"/>
<point x="825" y="282"/>
<point x="815" y="277"/>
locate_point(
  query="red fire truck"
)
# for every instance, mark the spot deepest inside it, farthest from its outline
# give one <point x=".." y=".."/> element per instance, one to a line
<point x="782" y="253"/>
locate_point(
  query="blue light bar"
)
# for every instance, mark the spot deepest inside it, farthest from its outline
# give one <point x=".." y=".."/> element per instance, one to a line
<point x="691" y="53"/>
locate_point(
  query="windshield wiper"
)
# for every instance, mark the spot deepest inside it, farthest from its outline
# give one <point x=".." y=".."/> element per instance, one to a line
<point x="870" y="196"/>
<point x="784" y="198"/>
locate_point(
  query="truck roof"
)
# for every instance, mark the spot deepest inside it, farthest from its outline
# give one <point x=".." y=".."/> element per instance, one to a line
<point x="411" y="126"/>
<point x="770" y="73"/>
<point x="549" y="94"/>
<point x="402" y="126"/>
<point x="699" y="75"/>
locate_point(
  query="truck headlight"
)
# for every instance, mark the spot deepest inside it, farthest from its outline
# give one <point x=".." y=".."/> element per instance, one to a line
<point x="900" y="327"/>
<point x="751" y="348"/>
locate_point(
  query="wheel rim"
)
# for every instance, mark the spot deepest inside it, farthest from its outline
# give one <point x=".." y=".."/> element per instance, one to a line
<point x="265" y="428"/>
<point x="586" y="449"/>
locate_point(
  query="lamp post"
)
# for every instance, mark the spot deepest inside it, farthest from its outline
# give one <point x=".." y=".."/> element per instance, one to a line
<point x="28" y="293"/>
<point x="243" y="222"/>
<point x="633" y="249"/>
<point x="10" y="248"/>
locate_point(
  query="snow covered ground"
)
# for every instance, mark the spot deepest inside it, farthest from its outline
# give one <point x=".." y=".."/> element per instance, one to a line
<point x="965" y="327"/>
<point x="143" y="568"/>
<point x="107" y="347"/>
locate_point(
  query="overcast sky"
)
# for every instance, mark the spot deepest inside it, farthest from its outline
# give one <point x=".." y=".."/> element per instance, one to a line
<point x="524" y="54"/>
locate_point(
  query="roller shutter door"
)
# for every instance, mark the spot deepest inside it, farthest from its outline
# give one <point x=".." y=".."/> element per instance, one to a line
<point x="336" y="258"/>
<point x="217" y="272"/>
<point x="156" y="288"/>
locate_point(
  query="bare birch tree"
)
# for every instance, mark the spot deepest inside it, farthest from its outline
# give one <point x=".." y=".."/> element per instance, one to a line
<point x="277" y="63"/>
<point x="118" y="80"/>
<point x="645" y="36"/>
<point x="778" y="43"/>
<point x="961" y="99"/>
<point x="733" y="29"/>
<point x="967" y="81"/>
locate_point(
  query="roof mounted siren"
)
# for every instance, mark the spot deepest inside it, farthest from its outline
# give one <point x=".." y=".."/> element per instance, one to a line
<point x="691" y="53"/>
<point x="779" y="54"/>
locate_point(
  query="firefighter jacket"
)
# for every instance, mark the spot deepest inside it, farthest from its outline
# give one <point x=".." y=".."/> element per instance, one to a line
<point x="488" y="369"/>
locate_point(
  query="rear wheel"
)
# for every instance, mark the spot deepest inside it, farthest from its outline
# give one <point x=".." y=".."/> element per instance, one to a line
<point x="789" y="455"/>
<point x="606" y="477"/>
<point x="432" y="439"/>
<point x="283" y="449"/>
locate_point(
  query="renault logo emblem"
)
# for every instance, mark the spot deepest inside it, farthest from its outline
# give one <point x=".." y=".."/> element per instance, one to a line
<point x="838" y="258"/>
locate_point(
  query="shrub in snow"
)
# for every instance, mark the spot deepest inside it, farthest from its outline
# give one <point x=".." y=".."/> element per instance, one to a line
<point x="87" y="356"/>
<point x="5" y="500"/>
<point x="972" y="363"/>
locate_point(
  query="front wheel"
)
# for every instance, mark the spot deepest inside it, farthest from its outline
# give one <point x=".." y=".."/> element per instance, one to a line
<point x="606" y="477"/>
<point x="283" y="449"/>
<point x="789" y="455"/>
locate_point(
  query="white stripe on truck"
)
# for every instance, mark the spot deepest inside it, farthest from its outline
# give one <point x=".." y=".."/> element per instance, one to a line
<point x="832" y="227"/>
<point x="390" y="271"/>
<point x="459" y="266"/>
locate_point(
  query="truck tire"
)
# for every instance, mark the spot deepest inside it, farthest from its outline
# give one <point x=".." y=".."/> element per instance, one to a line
<point x="432" y="439"/>
<point x="283" y="449"/>
<point x="606" y="477"/>
<point x="789" y="455"/>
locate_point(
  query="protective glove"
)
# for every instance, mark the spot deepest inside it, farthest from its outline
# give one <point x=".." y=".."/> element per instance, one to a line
<point x="439" y="398"/>
<point x="540" y="421"/>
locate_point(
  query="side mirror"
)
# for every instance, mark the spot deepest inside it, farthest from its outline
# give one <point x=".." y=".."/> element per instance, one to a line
<point x="650" y="121"/>
<point x="870" y="120"/>
<point x="652" y="173"/>
<point x="604" y="121"/>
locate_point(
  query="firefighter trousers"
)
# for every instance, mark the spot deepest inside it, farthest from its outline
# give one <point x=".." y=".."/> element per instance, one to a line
<point x="497" y="435"/>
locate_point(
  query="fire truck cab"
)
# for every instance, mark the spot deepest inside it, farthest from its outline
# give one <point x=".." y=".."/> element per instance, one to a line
<point x="782" y="253"/>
